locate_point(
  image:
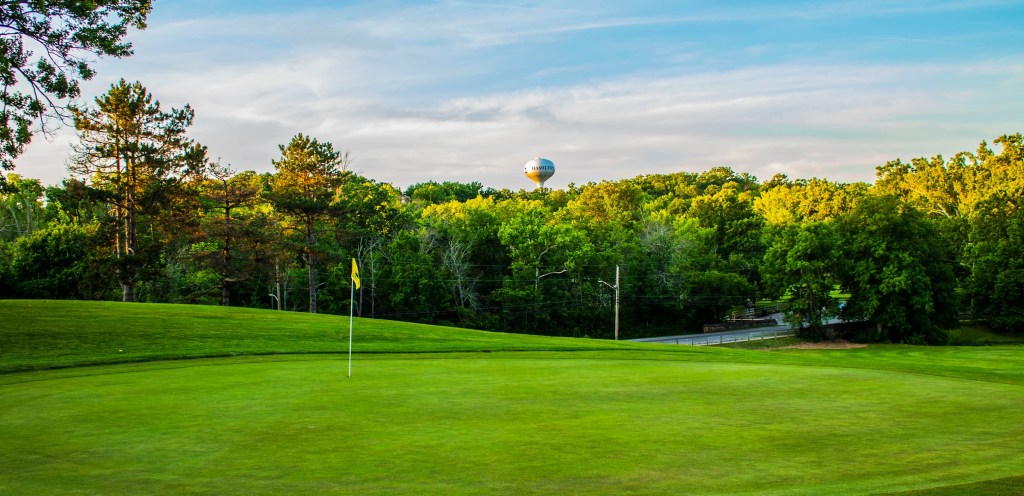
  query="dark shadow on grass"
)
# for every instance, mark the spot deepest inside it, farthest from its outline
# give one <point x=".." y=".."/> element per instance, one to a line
<point x="1007" y="486"/>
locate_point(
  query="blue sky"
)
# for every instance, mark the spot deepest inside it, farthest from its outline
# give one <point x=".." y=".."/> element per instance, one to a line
<point x="470" y="91"/>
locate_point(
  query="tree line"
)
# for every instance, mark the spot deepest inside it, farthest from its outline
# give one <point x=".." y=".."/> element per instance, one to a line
<point x="147" y="216"/>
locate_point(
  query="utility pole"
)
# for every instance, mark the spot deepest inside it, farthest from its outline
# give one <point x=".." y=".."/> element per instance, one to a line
<point x="616" y="288"/>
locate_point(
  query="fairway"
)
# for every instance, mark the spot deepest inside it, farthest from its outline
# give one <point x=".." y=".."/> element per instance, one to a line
<point x="508" y="424"/>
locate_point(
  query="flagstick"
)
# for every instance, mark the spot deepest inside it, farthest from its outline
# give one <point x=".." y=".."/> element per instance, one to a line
<point x="351" y="311"/>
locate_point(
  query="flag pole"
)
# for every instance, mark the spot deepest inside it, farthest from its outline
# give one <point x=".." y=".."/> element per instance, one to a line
<point x="351" y="308"/>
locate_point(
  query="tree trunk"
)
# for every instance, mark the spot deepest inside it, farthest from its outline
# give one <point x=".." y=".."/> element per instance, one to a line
<point x="225" y="276"/>
<point x="127" y="270"/>
<point x="311" y="265"/>
<point x="277" y="282"/>
<point x="128" y="290"/>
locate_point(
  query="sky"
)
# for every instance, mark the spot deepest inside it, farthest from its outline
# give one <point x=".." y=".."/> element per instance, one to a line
<point x="470" y="91"/>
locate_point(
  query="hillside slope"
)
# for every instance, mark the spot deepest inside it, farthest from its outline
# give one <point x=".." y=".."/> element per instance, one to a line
<point x="41" y="334"/>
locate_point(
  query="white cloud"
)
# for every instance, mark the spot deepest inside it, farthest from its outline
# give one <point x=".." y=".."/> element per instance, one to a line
<point x="417" y="94"/>
<point x="834" y="122"/>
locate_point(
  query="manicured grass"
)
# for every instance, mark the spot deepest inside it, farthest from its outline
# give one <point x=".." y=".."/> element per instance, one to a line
<point x="46" y="334"/>
<point x="52" y="334"/>
<point x="448" y="411"/>
<point x="534" y="424"/>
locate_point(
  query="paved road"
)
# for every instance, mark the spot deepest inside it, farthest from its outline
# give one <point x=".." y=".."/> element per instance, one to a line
<point x="752" y="334"/>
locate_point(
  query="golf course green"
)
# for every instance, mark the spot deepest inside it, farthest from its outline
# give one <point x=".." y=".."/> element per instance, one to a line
<point x="110" y="398"/>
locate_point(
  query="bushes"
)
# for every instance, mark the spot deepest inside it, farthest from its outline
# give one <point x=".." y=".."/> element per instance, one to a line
<point x="51" y="262"/>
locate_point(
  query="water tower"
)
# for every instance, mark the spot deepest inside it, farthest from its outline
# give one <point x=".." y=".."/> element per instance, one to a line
<point x="539" y="170"/>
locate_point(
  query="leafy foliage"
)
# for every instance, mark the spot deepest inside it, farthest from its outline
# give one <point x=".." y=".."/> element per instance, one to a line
<point x="898" y="271"/>
<point x="996" y="255"/>
<point x="691" y="248"/>
<point x="20" y="208"/>
<point x="52" y="262"/>
<point x="136" y="157"/>
<point x="308" y="174"/>
<point x="434" y="193"/>
<point x="45" y="50"/>
<point x="801" y="262"/>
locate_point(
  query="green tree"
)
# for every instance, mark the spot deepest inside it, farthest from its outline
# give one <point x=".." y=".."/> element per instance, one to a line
<point x="45" y="51"/>
<point x="783" y="202"/>
<point x="618" y="202"/>
<point x="995" y="255"/>
<point x="898" y="271"/>
<point x="541" y="250"/>
<point x="729" y="211"/>
<point x="971" y="197"/>
<point x="76" y="199"/>
<point x="433" y="193"/>
<point x="53" y="261"/>
<point x="21" y="209"/>
<point x="7" y="251"/>
<point x="711" y="293"/>
<point x="228" y="195"/>
<point x="445" y="227"/>
<point x="664" y="274"/>
<point x="365" y="207"/>
<point x="736" y="228"/>
<point x="305" y="186"/>
<point x="136" y="155"/>
<point x="365" y="213"/>
<point x="411" y="284"/>
<point x="800" y="262"/>
<point x="465" y="244"/>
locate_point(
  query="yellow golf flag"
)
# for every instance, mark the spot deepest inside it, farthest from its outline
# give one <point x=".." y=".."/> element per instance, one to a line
<point x="355" y="273"/>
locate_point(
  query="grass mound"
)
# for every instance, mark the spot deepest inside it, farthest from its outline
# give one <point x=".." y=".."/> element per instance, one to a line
<point x="52" y="334"/>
